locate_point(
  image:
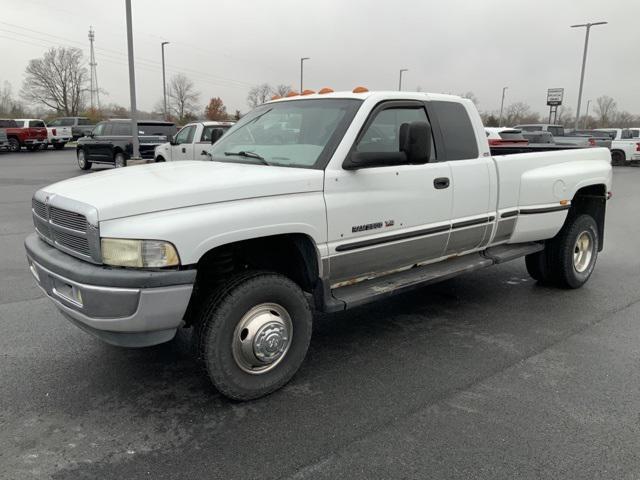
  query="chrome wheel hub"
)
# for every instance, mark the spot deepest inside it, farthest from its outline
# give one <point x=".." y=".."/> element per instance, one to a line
<point x="583" y="252"/>
<point x="262" y="338"/>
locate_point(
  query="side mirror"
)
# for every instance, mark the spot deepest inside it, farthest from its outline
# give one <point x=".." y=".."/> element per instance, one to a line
<point x="415" y="145"/>
<point x="172" y="140"/>
<point x="216" y="133"/>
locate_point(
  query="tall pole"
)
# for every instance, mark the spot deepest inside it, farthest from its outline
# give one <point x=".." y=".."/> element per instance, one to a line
<point x="504" y="89"/>
<point x="135" y="143"/>
<point x="402" y="70"/>
<point x="586" y="115"/>
<point x="302" y="72"/>
<point x="164" y="82"/>
<point x="584" y="62"/>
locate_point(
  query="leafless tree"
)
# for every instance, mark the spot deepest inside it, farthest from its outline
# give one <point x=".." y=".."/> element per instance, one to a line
<point x="259" y="95"/>
<point x="183" y="97"/>
<point x="6" y="98"/>
<point x="281" y="89"/>
<point x="605" y="109"/>
<point x="623" y="119"/>
<point x="564" y="115"/>
<point x="519" y="112"/>
<point x="58" y="80"/>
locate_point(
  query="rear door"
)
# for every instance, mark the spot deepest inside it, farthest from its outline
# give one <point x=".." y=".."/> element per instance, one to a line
<point x="472" y="177"/>
<point x="388" y="217"/>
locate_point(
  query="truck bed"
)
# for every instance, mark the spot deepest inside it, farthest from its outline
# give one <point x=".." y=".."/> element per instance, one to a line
<point x="542" y="147"/>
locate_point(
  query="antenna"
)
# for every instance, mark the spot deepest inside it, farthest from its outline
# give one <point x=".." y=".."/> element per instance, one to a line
<point x="94" y="91"/>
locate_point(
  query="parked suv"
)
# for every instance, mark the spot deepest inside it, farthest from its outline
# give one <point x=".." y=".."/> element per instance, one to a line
<point x="110" y="142"/>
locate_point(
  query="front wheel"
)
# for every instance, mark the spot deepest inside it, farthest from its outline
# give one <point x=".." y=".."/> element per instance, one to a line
<point x="253" y="334"/>
<point x="83" y="163"/>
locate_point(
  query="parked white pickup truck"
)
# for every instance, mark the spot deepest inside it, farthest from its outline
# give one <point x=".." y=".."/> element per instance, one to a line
<point x="625" y="145"/>
<point x="58" y="133"/>
<point x="191" y="142"/>
<point x="375" y="194"/>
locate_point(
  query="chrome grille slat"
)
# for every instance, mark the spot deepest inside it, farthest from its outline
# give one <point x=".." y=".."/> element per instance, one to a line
<point x="72" y="220"/>
<point x="39" y="208"/>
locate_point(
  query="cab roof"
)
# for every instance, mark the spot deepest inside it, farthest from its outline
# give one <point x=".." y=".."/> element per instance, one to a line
<point x="382" y="94"/>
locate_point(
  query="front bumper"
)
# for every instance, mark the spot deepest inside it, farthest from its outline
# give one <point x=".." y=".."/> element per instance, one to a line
<point x="131" y="308"/>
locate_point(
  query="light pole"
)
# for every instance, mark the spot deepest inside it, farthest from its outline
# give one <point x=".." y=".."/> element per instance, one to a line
<point x="302" y="71"/>
<point x="132" y="84"/>
<point x="400" y="79"/>
<point x="586" y="115"/>
<point x="584" y="62"/>
<point x="504" y="89"/>
<point x="164" y="81"/>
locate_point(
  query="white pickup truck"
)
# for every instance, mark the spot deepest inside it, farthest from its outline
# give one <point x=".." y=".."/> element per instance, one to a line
<point x="375" y="194"/>
<point x="625" y="145"/>
<point x="59" y="133"/>
<point x="191" y="142"/>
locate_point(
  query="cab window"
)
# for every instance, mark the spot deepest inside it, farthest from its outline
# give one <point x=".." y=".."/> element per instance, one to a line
<point x="383" y="133"/>
<point x="99" y="129"/>
<point x="186" y="135"/>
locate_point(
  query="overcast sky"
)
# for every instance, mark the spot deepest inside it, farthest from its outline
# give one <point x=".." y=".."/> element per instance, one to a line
<point x="450" y="46"/>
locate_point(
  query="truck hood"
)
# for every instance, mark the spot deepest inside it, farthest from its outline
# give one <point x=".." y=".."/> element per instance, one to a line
<point x="150" y="188"/>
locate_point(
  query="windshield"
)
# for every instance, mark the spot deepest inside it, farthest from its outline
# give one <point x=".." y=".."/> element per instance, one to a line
<point x="300" y="133"/>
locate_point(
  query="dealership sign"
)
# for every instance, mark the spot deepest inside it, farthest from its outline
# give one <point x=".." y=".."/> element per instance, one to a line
<point x="554" y="96"/>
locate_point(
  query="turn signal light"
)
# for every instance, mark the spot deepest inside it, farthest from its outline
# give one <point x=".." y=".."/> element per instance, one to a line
<point x="292" y="94"/>
<point x="360" y="90"/>
<point x="326" y="90"/>
<point x="637" y="147"/>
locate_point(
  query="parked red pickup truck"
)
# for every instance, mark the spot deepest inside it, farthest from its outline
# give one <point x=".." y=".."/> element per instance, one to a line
<point x="31" y="134"/>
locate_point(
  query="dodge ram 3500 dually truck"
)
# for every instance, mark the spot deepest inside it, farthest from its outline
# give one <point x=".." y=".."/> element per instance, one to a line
<point x="373" y="194"/>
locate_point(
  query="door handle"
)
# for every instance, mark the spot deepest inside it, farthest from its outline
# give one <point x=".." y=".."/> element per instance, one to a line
<point x="184" y="150"/>
<point x="441" y="182"/>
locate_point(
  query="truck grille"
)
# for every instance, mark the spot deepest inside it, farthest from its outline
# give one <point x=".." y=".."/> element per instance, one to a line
<point x="64" y="229"/>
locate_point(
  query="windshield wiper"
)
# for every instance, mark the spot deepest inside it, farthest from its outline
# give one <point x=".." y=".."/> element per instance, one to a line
<point x="245" y="154"/>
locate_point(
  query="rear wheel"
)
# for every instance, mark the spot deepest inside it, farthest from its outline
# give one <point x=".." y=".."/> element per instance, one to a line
<point x="253" y="334"/>
<point x="569" y="258"/>
<point x="617" y="158"/>
<point x="119" y="160"/>
<point x="58" y="146"/>
<point x="83" y="163"/>
<point x="14" y="145"/>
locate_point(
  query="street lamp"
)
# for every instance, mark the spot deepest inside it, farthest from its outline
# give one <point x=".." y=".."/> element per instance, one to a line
<point x="400" y="80"/>
<point x="504" y="89"/>
<point x="584" y="61"/>
<point x="164" y="81"/>
<point x="302" y="72"/>
<point x="135" y="143"/>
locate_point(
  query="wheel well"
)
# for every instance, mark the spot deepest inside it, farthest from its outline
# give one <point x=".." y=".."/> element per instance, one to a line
<point x="160" y="158"/>
<point x="621" y="152"/>
<point x="591" y="200"/>
<point x="293" y="255"/>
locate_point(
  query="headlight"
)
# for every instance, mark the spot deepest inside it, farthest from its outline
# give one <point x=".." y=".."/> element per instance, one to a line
<point x="139" y="253"/>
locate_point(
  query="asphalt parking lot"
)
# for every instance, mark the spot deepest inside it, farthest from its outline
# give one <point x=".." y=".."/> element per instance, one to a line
<point x="484" y="376"/>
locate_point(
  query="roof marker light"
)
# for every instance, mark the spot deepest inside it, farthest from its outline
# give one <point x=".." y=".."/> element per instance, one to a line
<point x="360" y="90"/>
<point x="326" y="90"/>
<point x="292" y="94"/>
<point x="307" y="92"/>
<point x="276" y="97"/>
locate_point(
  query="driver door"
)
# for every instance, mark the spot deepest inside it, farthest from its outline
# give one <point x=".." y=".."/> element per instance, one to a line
<point x="183" y="148"/>
<point x="387" y="217"/>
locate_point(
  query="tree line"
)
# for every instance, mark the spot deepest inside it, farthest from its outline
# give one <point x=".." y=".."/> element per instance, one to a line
<point x="57" y="84"/>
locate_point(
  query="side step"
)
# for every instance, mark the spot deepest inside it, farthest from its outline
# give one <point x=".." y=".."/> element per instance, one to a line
<point x="406" y="280"/>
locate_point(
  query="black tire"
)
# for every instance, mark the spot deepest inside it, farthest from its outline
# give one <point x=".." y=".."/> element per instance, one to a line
<point x="83" y="163"/>
<point x="160" y="159"/>
<point x="217" y="330"/>
<point x="617" y="158"/>
<point x="32" y="148"/>
<point x="560" y="265"/>
<point x="119" y="160"/>
<point x="58" y="146"/>
<point x="43" y="146"/>
<point x="14" y="145"/>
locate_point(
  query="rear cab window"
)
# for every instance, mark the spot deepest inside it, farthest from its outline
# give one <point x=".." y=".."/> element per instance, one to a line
<point x="458" y="136"/>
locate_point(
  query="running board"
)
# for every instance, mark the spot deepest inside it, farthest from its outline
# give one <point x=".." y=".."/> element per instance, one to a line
<point x="399" y="282"/>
